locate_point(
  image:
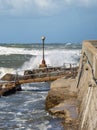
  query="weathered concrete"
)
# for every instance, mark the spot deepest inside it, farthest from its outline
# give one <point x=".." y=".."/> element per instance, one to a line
<point x="42" y="75"/>
<point x="85" y="87"/>
<point x="36" y="75"/>
<point x="11" y="77"/>
<point x="90" y="50"/>
<point x="62" y="101"/>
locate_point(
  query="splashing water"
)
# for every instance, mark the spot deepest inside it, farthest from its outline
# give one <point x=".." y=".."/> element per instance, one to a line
<point x="25" y="110"/>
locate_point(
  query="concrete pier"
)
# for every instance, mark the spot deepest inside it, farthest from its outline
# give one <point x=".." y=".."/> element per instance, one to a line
<point x="77" y="95"/>
<point x="87" y="89"/>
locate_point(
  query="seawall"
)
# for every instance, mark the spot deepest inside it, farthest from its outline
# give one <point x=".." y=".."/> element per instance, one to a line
<point x="75" y="99"/>
<point x="87" y="87"/>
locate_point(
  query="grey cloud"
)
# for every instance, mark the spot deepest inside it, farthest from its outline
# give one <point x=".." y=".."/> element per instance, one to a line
<point x="39" y="7"/>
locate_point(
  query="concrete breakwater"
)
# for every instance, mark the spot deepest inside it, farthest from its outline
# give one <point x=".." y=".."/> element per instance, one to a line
<point x="87" y="88"/>
<point x="75" y="100"/>
<point x="12" y="82"/>
<point x="62" y="101"/>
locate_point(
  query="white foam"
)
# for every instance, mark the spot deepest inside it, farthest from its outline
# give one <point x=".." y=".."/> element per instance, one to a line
<point x="53" y="58"/>
<point x="44" y="126"/>
<point x="68" y="44"/>
<point x="38" y="52"/>
<point x="12" y="50"/>
<point x="3" y="71"/>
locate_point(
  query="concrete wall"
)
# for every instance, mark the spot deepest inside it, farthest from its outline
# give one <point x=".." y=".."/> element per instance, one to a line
<point x="87" y="87"/>
<point x="90" y="50"/>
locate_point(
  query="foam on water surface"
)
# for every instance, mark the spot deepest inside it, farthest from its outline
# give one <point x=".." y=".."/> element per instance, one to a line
<point x="25" y="110"/>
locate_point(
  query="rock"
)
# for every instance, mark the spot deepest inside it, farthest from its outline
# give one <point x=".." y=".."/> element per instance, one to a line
<point x="7" y="92"/>
<point x="11" y="77"/>
<point x="56" y="96"/>
<point x="8" y="77"/>
<point x="68" y="120"/>
<point x="61" y="101"/>
<point x="9" y="88"/>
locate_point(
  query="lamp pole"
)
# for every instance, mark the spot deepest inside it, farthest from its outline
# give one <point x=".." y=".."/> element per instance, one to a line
<point x="43" y="64"/>
<point x="43" y="39"/>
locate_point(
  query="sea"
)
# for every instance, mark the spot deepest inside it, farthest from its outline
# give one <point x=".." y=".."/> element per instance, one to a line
<point x="25" y="110"/>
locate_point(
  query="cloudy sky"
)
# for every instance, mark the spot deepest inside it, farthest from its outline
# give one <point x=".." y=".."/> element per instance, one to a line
<point x="25" y="21"/>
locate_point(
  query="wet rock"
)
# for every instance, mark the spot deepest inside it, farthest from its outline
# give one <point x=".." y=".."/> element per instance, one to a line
<point x="9" y="88"/>
<point x="56" y="96"/>
<point x="61" y="101"/>
<point x="7" y="92"/>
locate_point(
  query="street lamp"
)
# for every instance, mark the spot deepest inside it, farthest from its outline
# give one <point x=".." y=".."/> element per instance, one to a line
<point x="43" y="64"/>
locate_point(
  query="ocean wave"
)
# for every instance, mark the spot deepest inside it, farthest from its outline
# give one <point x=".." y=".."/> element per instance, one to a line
<point x="12" y="50"/>
<point x="54" y="58"/>
<point x="36" y="49"/>
<point x="29" y="58"/>
<point x="3" y="71"/>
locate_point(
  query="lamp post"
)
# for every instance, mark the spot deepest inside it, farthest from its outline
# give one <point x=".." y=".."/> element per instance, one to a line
<point x="43" y="64"/>
<point x="43" y="39"/>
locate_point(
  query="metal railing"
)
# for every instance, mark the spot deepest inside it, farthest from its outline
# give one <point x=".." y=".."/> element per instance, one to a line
<point x="48" y="71"/>
<point x="66" y="69"/>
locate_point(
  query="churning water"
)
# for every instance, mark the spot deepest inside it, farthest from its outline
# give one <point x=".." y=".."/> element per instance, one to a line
<point x="26" y="109"/>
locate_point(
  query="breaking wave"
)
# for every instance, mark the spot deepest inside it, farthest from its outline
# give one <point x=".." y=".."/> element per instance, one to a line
<point x="22" y="57"/>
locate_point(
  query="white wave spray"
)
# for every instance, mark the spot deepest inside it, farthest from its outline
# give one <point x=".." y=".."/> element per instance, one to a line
<point x="53" y="57"/>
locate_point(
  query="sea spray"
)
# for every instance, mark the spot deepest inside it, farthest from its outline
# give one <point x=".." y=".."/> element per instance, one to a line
<point x="25" y="110"/>
<point x="53" y="58"/>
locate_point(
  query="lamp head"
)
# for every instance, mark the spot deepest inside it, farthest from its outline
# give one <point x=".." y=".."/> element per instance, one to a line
<point x="43" y="38"/>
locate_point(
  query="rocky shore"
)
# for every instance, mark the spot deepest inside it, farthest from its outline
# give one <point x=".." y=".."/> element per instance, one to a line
<point x="62" y="102"/>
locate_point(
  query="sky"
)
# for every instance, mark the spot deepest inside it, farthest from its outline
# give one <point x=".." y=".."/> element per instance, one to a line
<point x="60" y="21"/>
